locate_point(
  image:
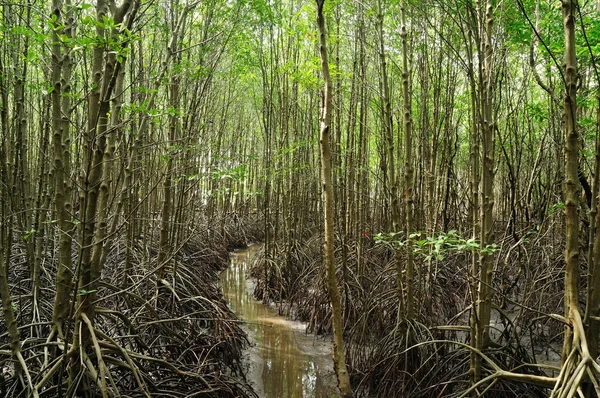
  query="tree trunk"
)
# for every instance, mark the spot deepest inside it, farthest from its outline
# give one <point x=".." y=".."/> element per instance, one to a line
<point x="61" y="103"/>
<point x="488" y="126"/>
<point x="408" y="166"/>
<point x="571" y="185"/>
<point x="339" y="358"/>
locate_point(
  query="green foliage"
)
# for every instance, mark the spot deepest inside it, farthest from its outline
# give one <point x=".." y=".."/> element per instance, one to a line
<point x="29" y="233"/>
<point x="435" y="247"/>
<point x="556" y="208"/>
<point x="537" y="111"/>
<point x="263" y="10"/>
<point x="237" y="173"/>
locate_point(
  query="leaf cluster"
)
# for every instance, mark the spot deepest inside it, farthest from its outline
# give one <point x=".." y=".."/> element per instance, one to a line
<point x="435" y="247"/>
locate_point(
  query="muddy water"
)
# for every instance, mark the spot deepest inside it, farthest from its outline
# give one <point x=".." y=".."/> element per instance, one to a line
<point x="283" y="362"/>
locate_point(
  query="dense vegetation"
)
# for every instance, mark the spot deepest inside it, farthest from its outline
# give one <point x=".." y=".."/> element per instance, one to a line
<point x="424" y="176"/>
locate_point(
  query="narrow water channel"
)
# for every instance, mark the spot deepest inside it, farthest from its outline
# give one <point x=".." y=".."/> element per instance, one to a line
<point x="283" y="362"/>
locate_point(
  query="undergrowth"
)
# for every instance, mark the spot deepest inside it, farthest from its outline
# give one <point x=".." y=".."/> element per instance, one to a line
<point x="429" y="356"/>
<point x="184" y="342"/>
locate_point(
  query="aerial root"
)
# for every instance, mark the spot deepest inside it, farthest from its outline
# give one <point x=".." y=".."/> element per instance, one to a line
<point x="578" y="364"/>
<point x="188" y="345"/>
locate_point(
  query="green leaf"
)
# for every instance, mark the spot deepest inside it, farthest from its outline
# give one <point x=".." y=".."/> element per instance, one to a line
<point x="28" y="234"/>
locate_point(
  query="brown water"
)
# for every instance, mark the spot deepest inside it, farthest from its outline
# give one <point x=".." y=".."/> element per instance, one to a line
<point x="284" y="362"/>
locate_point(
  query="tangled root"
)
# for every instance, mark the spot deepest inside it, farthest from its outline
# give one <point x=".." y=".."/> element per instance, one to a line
<point x="179" y="340"/>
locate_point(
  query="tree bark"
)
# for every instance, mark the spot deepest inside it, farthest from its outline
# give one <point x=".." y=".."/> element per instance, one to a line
<point x="408" y="166"/>
<point x="61" y="103"/>
<point x="488" y="126"/>
<point x="339" y="357"/>
<point x="571" y="186"/>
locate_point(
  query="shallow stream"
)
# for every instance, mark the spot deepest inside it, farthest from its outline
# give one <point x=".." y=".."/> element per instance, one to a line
<point x="283" y="361"/>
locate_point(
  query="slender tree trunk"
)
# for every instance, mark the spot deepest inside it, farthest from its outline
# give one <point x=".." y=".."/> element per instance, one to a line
<point x="391" y="188"/>
<point x="592" y="314"/>
<point x="472" y="39"/>
<point x="8" y="311"/>
<point x="93" y="190"/>
<point x="61" y="103"/>
<point x="571" y="185"/>
<point x="339" y="358"/>
<point x="361" y="206"/>
<point x="488" y="127"/>
<point x="408" y="166"/>
<point x="167" y="204"/>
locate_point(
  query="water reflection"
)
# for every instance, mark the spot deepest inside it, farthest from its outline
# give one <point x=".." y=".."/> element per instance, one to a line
<point x="286" y="371"/>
